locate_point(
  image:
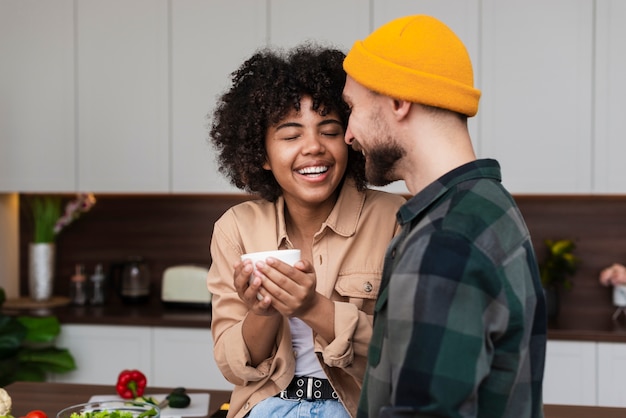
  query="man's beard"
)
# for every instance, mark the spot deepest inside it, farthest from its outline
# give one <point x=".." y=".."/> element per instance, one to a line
<point x="381" y="161"/>
<point x="384" y="154"/>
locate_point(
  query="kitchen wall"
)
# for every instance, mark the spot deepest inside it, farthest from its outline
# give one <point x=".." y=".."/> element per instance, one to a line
<point x="169" y="230"/>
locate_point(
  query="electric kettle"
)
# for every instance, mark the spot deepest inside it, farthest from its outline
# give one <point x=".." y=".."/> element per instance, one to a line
<point x="131" y="278"/>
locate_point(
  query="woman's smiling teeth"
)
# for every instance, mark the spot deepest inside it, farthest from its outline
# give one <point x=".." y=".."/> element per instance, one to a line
<point x="313" y="171"/>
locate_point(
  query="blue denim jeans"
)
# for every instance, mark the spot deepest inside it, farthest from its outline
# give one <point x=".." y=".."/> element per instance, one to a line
<point x="276" y="407"/>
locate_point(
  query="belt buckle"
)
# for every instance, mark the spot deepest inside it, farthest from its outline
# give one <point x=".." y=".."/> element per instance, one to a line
<point x="306" y="389"/>
<point x="309" y="389"/>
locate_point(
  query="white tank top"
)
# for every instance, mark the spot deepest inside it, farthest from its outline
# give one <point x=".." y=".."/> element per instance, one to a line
<point x="307" y="363"/>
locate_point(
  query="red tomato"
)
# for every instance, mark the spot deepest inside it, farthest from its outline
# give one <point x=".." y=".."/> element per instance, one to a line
<point x="36" y="413"/>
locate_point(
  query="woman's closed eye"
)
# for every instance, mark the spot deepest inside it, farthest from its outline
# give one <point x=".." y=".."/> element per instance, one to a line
<point x="333" y="133"/>
<point x="290" y="136"/>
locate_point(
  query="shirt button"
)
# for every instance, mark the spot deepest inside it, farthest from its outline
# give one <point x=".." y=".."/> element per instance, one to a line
<point x="295" y="353"/>
<point x="368" y="287"/>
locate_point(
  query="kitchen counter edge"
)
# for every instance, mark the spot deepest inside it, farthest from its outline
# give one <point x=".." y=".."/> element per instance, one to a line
<point x="151" y="314"/>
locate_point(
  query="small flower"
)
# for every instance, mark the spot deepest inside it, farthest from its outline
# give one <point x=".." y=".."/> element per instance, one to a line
<point x="559" y="263"/>
<point x="49" y="222"/>
<point x="73" y="210"/>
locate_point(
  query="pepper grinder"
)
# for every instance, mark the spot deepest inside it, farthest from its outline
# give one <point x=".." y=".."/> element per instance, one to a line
<point x="78" y="291"/>
<point x="97" y="286"/>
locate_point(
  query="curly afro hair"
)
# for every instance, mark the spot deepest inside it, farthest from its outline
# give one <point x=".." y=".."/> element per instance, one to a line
<point x="264" y="90"/>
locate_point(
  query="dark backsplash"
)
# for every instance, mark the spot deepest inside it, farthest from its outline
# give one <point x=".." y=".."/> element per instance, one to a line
<point x="172" y="229"/>
<point x="597" y="224"/>
<point x="165" y="230"/>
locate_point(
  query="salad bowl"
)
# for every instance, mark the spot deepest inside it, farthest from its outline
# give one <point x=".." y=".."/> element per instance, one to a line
<point x="111" y="409"/>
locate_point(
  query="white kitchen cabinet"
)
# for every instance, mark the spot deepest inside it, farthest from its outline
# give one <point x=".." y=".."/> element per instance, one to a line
<point x="210" y="39"/>
<point x="122" y="88"/>
<point x="37" y="141"/>
<point x="610" y="87"/>
<point x="331" y="22"/>
<point x="184" y="357"/>
<point x="114" y="96"/>
<point x="168" y="356"/>
<point x="570" y="375"/>
<point x="101" y="352"/>
<point x="537" y="105"/>
<point x="611" y="374"/>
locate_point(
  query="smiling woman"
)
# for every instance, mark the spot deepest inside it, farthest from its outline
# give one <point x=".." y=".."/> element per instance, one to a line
<point x="279" y="132"/>
<point x="306" y="155"/>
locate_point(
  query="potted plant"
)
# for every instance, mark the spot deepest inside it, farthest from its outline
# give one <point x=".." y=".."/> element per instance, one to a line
<point x="27" y="350"/>
<point x="558" y="265"/>
<point x="48" y="222"/>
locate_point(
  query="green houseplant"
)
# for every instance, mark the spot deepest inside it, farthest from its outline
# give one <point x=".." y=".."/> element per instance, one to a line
<point x="46" y="210"/>
<point x="559" y="264"/>
<point x="48" y="221"/>
<point x="27" y="350"/>
<point x="556" y="269"/>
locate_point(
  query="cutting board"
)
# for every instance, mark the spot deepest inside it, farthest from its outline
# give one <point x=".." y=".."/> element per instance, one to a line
<point x="199" y="406"/>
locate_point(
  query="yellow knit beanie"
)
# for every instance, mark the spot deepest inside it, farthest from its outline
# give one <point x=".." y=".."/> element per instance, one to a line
<point x="419" y="59"/>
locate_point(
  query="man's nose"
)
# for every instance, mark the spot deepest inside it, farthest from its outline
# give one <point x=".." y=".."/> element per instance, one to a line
<point x="348" y="137"/>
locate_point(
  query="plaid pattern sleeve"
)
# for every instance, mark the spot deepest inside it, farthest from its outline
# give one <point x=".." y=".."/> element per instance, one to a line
<point x="460" y="325"/>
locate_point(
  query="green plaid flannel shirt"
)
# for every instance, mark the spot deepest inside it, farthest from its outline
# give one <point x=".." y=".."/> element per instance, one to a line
<point x="460" y="323"/>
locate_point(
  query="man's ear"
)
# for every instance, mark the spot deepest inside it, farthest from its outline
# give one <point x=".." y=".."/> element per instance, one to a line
<point x="401" y="108"/>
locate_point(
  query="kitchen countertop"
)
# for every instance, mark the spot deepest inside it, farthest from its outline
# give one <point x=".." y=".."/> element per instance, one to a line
<point x="152" y="313"/>
<point x="607" y="330"/>
<point x="573" y="411"/>
<point x="51" y="397"/>
<point x="598" y="335"/>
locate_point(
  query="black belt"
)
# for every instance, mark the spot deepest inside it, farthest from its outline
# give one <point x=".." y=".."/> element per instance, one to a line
<point x="308" y="389"/>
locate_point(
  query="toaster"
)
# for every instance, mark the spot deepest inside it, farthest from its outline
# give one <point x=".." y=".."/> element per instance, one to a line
<point x="185" y="286"/>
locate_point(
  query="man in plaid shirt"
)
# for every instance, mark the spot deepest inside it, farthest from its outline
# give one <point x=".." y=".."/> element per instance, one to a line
<point x="460" y="323"/>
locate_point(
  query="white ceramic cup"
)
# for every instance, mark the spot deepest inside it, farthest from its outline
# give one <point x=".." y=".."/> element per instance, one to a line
<point x="288" y="256"/>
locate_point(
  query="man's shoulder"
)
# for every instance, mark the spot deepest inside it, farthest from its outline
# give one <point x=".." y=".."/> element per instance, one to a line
<point x="472" y="211"/>
<point x="482" y="198"/>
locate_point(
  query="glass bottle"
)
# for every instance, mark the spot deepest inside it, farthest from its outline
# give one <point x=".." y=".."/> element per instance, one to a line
<point x="78" y="286"/>
<point x="97" y="286"/>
